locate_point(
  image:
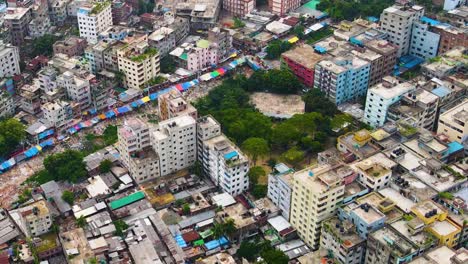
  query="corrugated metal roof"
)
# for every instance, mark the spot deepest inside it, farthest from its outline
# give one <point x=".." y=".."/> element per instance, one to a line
<point x="126" y="200"/>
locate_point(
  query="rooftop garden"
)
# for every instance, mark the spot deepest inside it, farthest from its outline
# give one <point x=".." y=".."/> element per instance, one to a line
<point x="99" y="6"/>
<point x="49" y="241"/>
<point x="407" y="130"/>
<point x="149" y="52"/>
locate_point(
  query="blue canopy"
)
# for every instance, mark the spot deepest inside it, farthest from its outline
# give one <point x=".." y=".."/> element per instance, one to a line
<point x="31" y="152"/>
<point x="46" y="133"/>
<point x="7" y="164"/>
<point x="180" y="241"/>
<point x="49" y="142"/>
<point x="110" y="114"/>
<point x="216" y="243"/>
<point x="124" y="109"/>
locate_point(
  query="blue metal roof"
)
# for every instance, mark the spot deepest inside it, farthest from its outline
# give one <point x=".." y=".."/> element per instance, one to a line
<point x="441" y="91"/>
<point x="454" y="147"/>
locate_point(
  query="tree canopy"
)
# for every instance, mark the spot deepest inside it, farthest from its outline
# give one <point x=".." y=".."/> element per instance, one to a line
<point x="349" y="10"/>
<point x="256" y="147"/>
<point x="293" y="156"/>
<point x="68" y="197"/>
<point x="43" y="45"/>
<point x="316" y="101"/>
<point x="281" y="81"/>
<point x="105" y="166"/>
<point x="66" y="166"/>
<point x="12" y="132"/>
<point x="276" y="47"/>
<point x="168" y="65"/>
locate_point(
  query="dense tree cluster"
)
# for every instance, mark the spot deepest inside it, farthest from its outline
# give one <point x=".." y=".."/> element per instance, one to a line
<point x="12" y="132"/>
<point x="65" y="166"/>
<point x="276" y="47"/>
<point x="261" y="252"/>
<point x="43" y="45"/>
<point x="280" y="81"/>
<point x="349" y="10"/>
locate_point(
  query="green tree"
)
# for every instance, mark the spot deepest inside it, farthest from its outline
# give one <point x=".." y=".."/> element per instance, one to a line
<point x="105" y="166"/>
<point x="274" y="50"/>
<point x="120" y="227"/>
<point x="141" y="7"/>
<point x="259" y="191"/>
<point x="274" y="256"/>
<point x="110" y="135"/>
<point x="299" y="31"/>
<point x="222" y="229"/>
<point x="315" y="101"/>
<point x="340" y="120"/>
<point x="150" y="6"/>
<point x="43" y="45"/>
<point x="256" y="148"/>
<point x="67" y="165"/>
<point x="285" y="134"/>
<point x="255" y="173"/>
<point x="168" y="65"/>
<point x="238" y="23"/>
<point x="186" y="209"/>
<point x="81" y="222"/>
<point x="68" y="197"/>
<point x="248" y="250"/>
<point x="293" y="156"/>
<point x="12" y="132"/>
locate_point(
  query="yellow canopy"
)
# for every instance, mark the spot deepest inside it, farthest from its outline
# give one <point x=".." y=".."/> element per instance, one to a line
<point x="145" y="99"/>
<point x="293" y="40"/>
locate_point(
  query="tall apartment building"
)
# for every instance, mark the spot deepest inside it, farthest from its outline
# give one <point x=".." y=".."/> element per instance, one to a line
<point x="424" y="43"/>
<point x="40" y="23"/>
<point x="58" y="11"/>
<point x="7" y="99"/>
<point x="222" y="39"/>
<point x="93" y="19"/>
<point x="77" y="88"/>
<point x="282" y="7"/>
<point x="376" y="61"/>
<point x="9" y="60"/>
<point x="397" y="22"/>
<point x="139" y="63"/>
<point x="449" y="63"/>
<point x="381" y="97"/>
<point x="342" y="79"/>
<point x="121" y="12"/>
<point x="17" y="21"/>
<point x="301" y="61"/>
<point x="57" y="113"/>
<point x="280" y="188"/>
<point x="203" y="55"/>
<point x="389" y="59"/>
<point x="316" y="193"/>
<point x="418" y="108"/>
<point x="34" y="220"/>
<point x="172" y="104"/>
<point x="138" y="156"/>
<point x="454" y="122"/>
<point x="163" y="39"/>
<point x="221" y="160"/>
<point x="175" y="142"/>
<point x="239" y="8"/>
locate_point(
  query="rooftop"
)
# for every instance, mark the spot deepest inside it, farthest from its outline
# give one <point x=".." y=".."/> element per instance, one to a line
<point x="390" y="88"/>
<point x="421" y="239"/>
<point x="444" y="228"/>
<point x="349" y="237"/>
<point x="368" y="214"/>
<point x="459" y="112"/>
<point x="15" y="13"/>
<point x="241" y="216"/>
<point x="387" y="236"/>
<point x="428" y="206"/>
<point x="303" y="55"/>
<point x="319" y="179"/>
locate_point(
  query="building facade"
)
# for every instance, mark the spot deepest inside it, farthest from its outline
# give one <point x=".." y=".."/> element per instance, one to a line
<point x="93" y="19"/>
<point x="239" y="8"/>
<point x="72" y="46"/>
<point x="454" y="122"/>
<point x="172" y="104"/>
<point x="163" y="39"/>
<point x="17" y="21"/>
<point x="280" y="188"/>
<point x="282" y="7"/>
<point x="9" y="60"/>
<point x="57" y="113"/>
<point x="389" y="59"/>
<point x="424" y="43"/>
<point x="301" y="61"/>
<point x="76" y="88"/>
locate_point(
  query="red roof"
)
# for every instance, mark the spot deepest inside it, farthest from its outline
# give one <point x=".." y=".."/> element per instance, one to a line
<point x="291" y="21"/>
<point x="190" y="236"/>
<point x="4" y="258"/>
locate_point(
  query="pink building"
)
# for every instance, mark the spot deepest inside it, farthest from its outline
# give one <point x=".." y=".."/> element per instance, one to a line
<point x="281" y="7"/>
<point x="239" y="8"/>
<point x="202" y="56"/>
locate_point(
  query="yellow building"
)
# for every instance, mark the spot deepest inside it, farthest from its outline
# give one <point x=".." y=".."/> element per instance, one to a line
<point x="435" y="219"/>
<point x="315" y="195"/>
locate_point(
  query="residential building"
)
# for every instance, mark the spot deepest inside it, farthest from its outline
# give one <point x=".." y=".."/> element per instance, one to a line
<point x="446" y="64"/>
<point x="341" y="239"/>
<point x="221" y="160"/>
<point x="450" y="37"/>
<point x="7" y="99"/>
<point x="376" y="61"/>
<point x="239" y="8"/>
<point x="57" y="113"/>
<point x="93" y="19"/>
<point x="71" y="46"/>
<point x="282" y="7"/>
<point x="74" y="6"/>
<point x="58" y="11"/>
<point x="34" y="220"/>
<point x="375" y="172"/>
<point x="136" y="152"/>
<point x="381" y="97"/>
<point x="386" y="245"/>
<point x="30" y="96"/>
<point x="163" y="39"/>
<point x="356" y="145"/>
<point x="364" y="216"/>
<point x="172" y="104"/>
<point x="301" y="61"/>
<point x="76" y="88"/>
<point x="418" y="108"/>
<point x="40" y="22"/>
<point x="454" y="122"/>
<point x="175" y="142"/>
<point x="397" y="22"/>
<point x="389" y="58"/>
<point x="139" y="63"/>
<point x="316" y="192"/>
<point x="115" y="32"/>
<point x="280" y="188"/>
<point x="47" y="77"/>
<point x="222" y="39"/>
<point x="8" y="228"/>
<point x="342" y="79"/>
<point x="121" y="12"/>
<point x="103" y="56"/>
<point x="203" y="14"/>
<point x="424" y="43"/>
<point x="9" y="60"/>
<point x="181" y="27"/>
<point x="203" y="55"/>
<point x="442" y="254"/>
<point x="17" y="20"/>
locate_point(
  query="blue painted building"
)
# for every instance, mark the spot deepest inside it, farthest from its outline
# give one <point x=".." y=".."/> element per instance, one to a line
<point x="365" y="217"/>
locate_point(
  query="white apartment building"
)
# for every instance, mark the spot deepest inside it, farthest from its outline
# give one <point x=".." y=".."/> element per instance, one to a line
<point x="381" y="97"/>
<point x="424" y="43"/>
<point x="58" y="113"/>
<point x="280" y="188"/>
<point x="34" y="219"/>
<point x="135" y="149"/>
<point x="454" y="122"/>
<point x="175" y="142"/>
<point x="342" y="79"/>
<point x="316" y="193"/>
<point x="9" y="60"/>
<point x="221" y="160"/>
<point x="281" y="7"/>
<point x="93" y="19"/>
<point x="77" y="89"/>
<point x="374" y="172"/>
<point x="139" y="63"/>
<point x="397" y="22"/>
<point x="164" y="39"/>
<point x="239" y="8"/>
